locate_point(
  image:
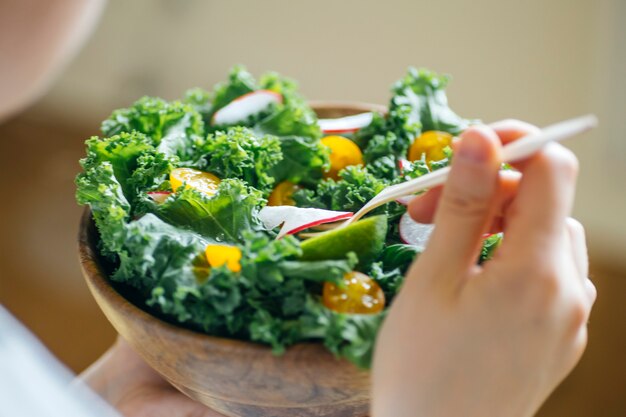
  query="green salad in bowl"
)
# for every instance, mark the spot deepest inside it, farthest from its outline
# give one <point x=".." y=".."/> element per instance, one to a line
<point x="209" y="208"/>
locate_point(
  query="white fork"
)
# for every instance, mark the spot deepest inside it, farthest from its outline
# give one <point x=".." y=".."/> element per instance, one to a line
<point x="514" y="151"/>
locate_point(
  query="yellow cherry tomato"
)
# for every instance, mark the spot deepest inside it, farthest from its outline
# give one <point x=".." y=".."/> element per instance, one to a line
<point x="218" y="255"/>
<point x="281" y="194"/>
<point x="360" y="295"/>
<point x="343" y="153"/>
<point x="198" y="180"/>
<point x="431" y="144"/>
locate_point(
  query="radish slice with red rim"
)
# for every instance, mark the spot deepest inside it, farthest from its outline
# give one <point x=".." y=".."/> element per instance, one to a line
<point x="296" y="219"/>
<point x="347" y="124"/>
<point x="241" y="108"/>
<point x="159" y="196"/>
<point x="414" y="233"/>
<point x="403" y="164"/>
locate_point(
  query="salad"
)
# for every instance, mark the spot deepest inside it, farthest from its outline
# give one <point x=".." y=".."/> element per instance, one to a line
<point x="205" y="207"/>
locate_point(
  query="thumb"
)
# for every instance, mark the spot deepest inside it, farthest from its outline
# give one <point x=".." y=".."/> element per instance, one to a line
<point x="467" y="204"/>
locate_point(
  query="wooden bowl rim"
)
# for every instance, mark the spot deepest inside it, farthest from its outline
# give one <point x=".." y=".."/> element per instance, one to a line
<point x="355" y="106"/>
<point x="98" y="280"/>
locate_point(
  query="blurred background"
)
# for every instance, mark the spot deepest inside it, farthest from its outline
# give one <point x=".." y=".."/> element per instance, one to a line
<point x="536" y="60"/>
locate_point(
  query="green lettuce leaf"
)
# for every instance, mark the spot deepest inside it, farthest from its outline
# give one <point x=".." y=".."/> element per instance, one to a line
<point x="396" y="132"/>
<point x="292" y="121"/>
<point x="415" y="169"/>
<point x="490" y="244"/>
<point x="292" y="117"/>
<point x="264" y="302"/>
<point x="331" y="270"/>
<point x="200" y="100"/>
<point x="223" y="217"/>
<point x="418" y="104"/>
<point x="97" y="187"/>
<point x="175" y="128"/>
<point x="355" y="188"/>
<point x="422" y="92"/>
<point x="351" y="336"/>
<point x="381" y="155"/>
<point x="304" y="160"/>
<point x="279" y="287"/>
<point x="137" y="165"/>
<point x="390" y="281"/>
<point x="399" y="256"/>
<point x="239" y="82"/>
<point x="239" y="153"/>
<point x="158" y="254"/>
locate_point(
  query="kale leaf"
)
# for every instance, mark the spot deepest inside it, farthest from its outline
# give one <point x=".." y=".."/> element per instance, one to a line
<point x="137" y="165"/>
<point x="292" y="117"/>
<point x="239" y="82"/>
<point x="418" y="104"/>
<point x="352" y="336"/>
<point x="421" y="93"/>
<point x="304" y="160"/>
<point x="223" y="217"/>
<point x="355" y="187"/>
<point x="490" y="244"/>
<point x="399" y="256"/>
<point x="175" y="128"/>
<point x="98" y="187"/>
<point x="239" y="153"/>
<point x="156" y="253"/>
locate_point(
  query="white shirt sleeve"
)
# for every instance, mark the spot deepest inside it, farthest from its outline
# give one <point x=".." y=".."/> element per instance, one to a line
<point x="34" y="383"/>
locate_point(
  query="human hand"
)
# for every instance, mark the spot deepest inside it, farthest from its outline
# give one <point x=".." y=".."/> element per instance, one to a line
<point x="126" y="382"/>
<point x="468" y="340"/>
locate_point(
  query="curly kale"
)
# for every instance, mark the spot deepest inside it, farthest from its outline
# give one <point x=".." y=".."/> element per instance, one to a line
<point x="421" y="94"/>
<point x="97" y="187"/>
<point x="239" y="153"/>
<point x="355" y="187"/>
<point x="158" y="248"/>
<point x="239" y="82"/>
<point x="304" y="160"/>
<point x="175" y="128"/>
<point x="137" y="165"/>
<point x="418" y="104"/>
<point x="292" y="117"/>
<point x="223" y="217"/>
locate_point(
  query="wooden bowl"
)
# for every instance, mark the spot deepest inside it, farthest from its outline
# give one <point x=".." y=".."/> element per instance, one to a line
<point x="234" y="377"/>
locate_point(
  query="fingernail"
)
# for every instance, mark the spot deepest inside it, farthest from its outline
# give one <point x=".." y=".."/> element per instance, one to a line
<point x="472" y="148"/>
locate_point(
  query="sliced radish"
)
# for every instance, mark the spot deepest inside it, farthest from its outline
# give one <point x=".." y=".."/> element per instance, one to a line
<point x="348" y="124"/>
<point x="414" y="233"/>
<point x="403" y="164"/>
<point x="241" y="108"/>
<point x="159" y="196"/>
<point x="295" y="219"/>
